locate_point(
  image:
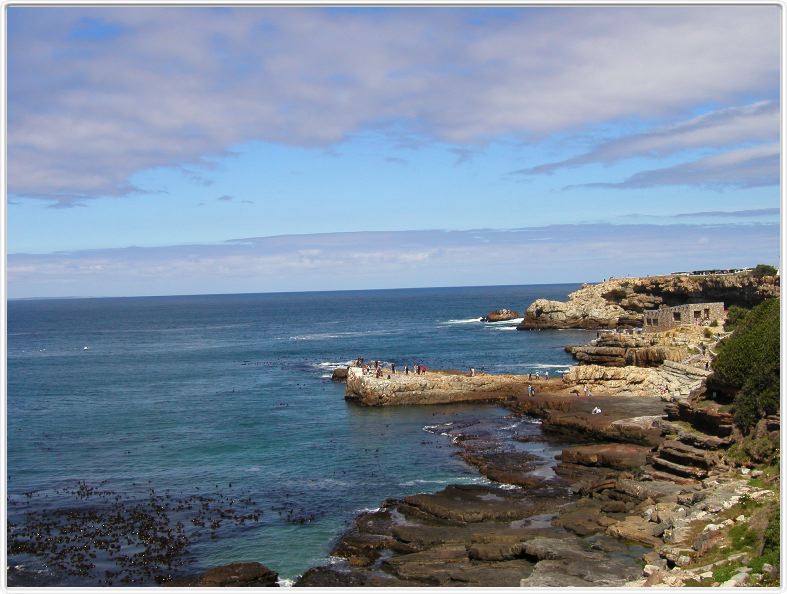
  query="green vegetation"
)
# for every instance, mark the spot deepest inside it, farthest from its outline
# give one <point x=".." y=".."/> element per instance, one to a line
<point x="759" y="450"/>
<point x="748" y="365"/>
<point x="742" y="536"/>
<point x="724" y="572"/>
<point x="735" y="314"/>
<point x="771" y="549"/>
<point x="763" y="270"/>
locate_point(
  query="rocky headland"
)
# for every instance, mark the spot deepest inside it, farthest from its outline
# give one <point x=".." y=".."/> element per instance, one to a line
<point x="620" y="302"/>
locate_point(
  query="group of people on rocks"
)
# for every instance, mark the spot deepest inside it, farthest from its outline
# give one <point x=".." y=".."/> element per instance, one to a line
<point x="378" y="369"/>
<point x="538" y="376"/>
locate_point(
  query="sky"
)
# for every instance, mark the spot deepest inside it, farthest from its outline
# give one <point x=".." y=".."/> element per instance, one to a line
<point x="218" y="150"/>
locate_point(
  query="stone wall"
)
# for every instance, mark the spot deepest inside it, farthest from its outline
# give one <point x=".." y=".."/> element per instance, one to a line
<point x="700" y="314"/>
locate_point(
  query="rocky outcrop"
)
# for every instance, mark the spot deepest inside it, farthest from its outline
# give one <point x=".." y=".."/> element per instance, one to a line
<point x="243" y="574"/>
<point x="429" y="388"/>
<point x="620" y="302"/>
<point x="500" y="315"/>
<point x="586" y="308"/>
<point x="670" y="380"/>
<point x="472" y="535"/>
<point x="613" y="455"/>
<point x="615" y="349"/>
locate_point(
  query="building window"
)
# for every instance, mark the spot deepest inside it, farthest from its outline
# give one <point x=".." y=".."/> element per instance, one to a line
<point x="697" y="314"/>
<point x="676" y="316"/>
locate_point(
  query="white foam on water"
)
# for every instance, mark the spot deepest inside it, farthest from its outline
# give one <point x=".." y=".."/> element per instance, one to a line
<point x="285" y="583"/>
<point x="467" y="321"/>
<point x="326" y="376"/>
<point x="333" y="364"/>
<point x="513" y="321"/>
<point x="503" y="328"/>
<point x="364" y="510"/>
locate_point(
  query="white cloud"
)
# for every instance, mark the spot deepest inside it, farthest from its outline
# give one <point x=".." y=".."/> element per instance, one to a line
<point x="563" y="253"/>
<point x="168" y="87"/>
<point x="721" y="128"/>
<point x="740" y="168"/>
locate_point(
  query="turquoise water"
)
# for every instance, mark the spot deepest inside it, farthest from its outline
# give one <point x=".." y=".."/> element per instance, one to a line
<point x="230" y="394"/>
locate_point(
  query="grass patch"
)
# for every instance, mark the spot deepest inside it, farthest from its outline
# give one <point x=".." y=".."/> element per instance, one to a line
<point x="725" y="572"/>
<point x="742" y="536"/>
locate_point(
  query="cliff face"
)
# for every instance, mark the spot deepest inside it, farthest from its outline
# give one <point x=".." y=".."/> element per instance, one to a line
<point x="620" y="302"/>
<point x="647" y="349"/>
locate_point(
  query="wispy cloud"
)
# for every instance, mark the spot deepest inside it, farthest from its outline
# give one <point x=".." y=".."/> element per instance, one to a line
<point x="722" y="128"/>
<point x="741" y="168"/>
<point x="117" y="94"/>
<point x="754" y="212"/>
<point x="225" y="198"/>
<point x="562" y="253"/>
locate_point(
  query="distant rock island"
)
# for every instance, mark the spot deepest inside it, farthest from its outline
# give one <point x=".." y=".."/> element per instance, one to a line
<point x="500" y="315"/>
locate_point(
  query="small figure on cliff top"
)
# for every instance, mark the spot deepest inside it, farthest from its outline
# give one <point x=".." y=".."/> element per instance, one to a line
<point x="546" y="375"/>
<point x="393" y="368"/>
<point x="529" y="390"/>
<point x="406" y="370"/>
<point x="472" y="372"/>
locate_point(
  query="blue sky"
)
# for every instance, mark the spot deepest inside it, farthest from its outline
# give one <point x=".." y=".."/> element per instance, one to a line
<point x="148" y="135"/>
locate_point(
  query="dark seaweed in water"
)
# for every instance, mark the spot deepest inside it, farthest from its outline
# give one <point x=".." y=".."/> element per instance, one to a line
<point x="108" y="538"/>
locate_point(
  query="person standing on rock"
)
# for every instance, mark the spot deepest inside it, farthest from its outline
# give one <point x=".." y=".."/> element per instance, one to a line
<point x="406" y="370"/>
<point x="393" y="368"/>
<point x="546" y="375"/>
<point x="472" y="372"/>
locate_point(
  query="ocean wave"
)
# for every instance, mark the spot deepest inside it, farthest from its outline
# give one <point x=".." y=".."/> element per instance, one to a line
<point x="501" y="328"/>
<point x="467" y="321"/>
<point x="332" y="364"/>
<point x="531" y="366"/>
<point x="415" y="482"/>
<point x="285" y="583"/>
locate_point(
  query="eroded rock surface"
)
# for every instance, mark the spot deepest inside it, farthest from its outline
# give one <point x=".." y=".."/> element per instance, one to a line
<point x="620" y="302"/>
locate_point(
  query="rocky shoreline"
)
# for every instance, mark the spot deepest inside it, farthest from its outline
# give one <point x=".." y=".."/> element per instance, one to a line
<point x="641" y="494"/>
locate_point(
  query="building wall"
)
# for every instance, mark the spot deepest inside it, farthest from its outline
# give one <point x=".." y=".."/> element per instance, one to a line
<point x="664" y="318"/>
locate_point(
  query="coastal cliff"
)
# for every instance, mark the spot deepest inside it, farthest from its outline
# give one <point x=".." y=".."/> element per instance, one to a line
<point x="620" y="302"/>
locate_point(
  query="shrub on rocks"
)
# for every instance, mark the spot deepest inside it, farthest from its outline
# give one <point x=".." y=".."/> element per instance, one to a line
<point x="748" y="365"/>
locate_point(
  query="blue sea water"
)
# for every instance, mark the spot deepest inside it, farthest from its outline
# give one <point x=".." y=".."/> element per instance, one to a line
<point x="231" y="394"/>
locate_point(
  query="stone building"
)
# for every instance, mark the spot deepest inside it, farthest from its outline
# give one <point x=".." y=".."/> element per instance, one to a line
<point x="700" y="314"/>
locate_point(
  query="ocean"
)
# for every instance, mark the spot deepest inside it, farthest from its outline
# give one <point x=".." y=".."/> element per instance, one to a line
<point x="228" y="398"/>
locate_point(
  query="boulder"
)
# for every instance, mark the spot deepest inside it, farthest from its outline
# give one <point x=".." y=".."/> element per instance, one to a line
<point x="339" y="374"/>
